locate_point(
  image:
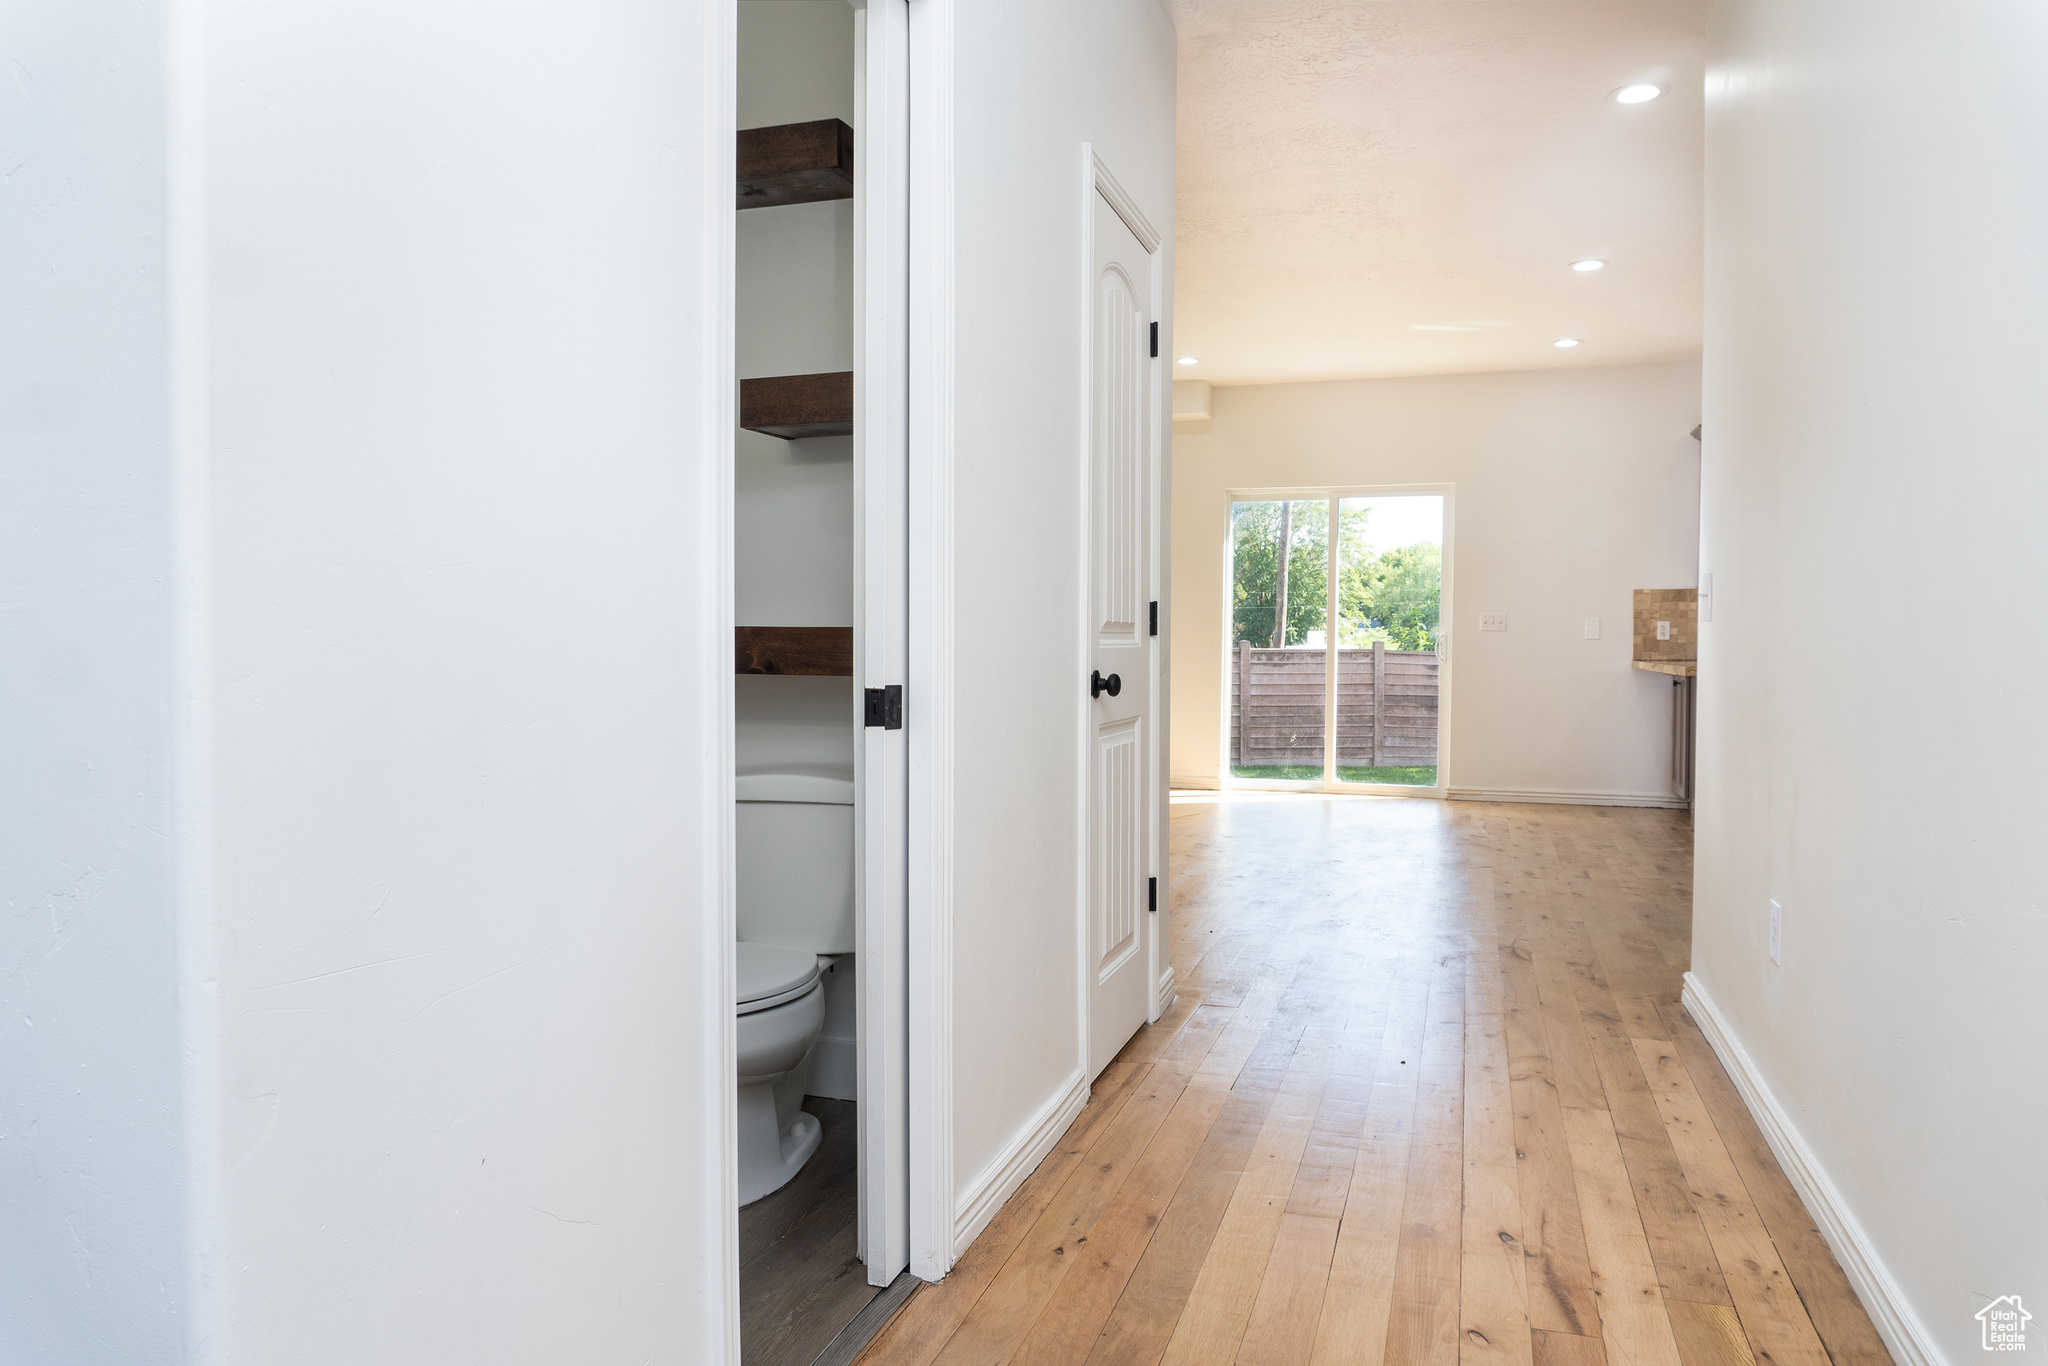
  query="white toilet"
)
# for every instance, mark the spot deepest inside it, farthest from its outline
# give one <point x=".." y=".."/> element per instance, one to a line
<point x="795" y="910"/>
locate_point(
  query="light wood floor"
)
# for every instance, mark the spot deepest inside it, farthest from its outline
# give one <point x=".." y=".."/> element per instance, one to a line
<point x="1427" y="1098"/>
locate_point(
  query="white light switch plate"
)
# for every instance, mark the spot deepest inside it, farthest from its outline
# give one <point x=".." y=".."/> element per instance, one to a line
<point x="1777" y="928"/>
<point x="1663" y="630"/>
<point x="1493" y="621"/>
<point x="1592" y="628"/>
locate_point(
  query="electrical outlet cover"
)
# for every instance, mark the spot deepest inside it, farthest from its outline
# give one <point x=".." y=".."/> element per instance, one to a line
<point x="1592" y="628"/>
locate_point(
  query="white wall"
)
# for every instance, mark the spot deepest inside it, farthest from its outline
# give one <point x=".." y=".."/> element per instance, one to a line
<point x="93" y="1263"/>
<point x="374" y="364"/>
<point x="1031" y="85"/>
<point x="1573" y="489"/>
<point x="1871" y="734"/>
<point x="472" y="648"/>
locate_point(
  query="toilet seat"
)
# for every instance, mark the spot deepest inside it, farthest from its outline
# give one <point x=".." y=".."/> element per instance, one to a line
<point x="769" y="975"/>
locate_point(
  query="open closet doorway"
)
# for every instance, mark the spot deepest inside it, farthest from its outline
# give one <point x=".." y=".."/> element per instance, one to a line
<point x="1338" y="659"/>
<point x="820" y="594"/>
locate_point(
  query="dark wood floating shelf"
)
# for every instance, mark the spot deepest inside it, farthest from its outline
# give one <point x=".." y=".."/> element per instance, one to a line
<point x="795" y="163"/>
<point x="817" y="651"/>
<point x="792" y="406"/>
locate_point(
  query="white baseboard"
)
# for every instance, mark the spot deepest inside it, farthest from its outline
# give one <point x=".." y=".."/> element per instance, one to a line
<point x="1198" y="782"/>
<point x="835" y="1069"/>
<point x="1889" y="1311"/>
<point x="999" y="1181"/>
<point x="1561" y="798"/>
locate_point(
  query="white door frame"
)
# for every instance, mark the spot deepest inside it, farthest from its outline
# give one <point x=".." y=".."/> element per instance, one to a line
<point x="1334" y="493"/>
<point x="881" y="624"/>
<point x="716" y="861"/>
<point x="1098" y="179"/>
<point x="928" y="692"/>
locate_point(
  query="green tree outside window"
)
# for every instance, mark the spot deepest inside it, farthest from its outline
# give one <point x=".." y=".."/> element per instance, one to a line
<point x="1392" y="595"/>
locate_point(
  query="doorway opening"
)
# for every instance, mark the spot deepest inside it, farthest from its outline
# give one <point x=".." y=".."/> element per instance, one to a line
<point x="820" y="592"/>
<point x="1343" y="594"/>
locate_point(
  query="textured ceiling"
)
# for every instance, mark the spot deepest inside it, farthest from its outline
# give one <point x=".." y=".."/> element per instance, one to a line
<point x="1398" y="187"/>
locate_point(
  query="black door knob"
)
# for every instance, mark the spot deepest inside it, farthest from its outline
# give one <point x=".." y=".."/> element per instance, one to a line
<point x="1098" y="685"/>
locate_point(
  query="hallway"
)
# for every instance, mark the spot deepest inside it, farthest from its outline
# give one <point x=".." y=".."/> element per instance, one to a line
<point x="1427" y="1096"/>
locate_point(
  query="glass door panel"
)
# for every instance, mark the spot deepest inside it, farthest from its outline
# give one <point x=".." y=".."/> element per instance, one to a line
<point x="1279" y="604"/>
<point x="1389" y="589"/>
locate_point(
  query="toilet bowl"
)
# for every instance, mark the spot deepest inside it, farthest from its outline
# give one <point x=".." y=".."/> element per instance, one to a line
<point x="795" y="845"/>
<point x="781" y="1011"/>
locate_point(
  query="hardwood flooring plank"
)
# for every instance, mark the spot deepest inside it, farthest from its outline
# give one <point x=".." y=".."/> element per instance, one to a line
<point x="1281" y="1330"/>
<point x="1324" y="1176"/>
<point x="1007" y="1309"/>
<point x="1152" y="1041"/>
<point x="1246" y="1028"/>
<point x="1212" y="1322"/>
<point x="1634" y="1325"/>
<point x="1560" y="1279"/>
<point x="917" y="1334"/>
<point x="1831" y="1302"/>
<point x="1686" y="1265"/>
<point x="1138" y="1329"/>
<point x="1636" y="975"/>
<point x="1358" y="1299"/>
<point x="1772" y="1315"/>
<point x="1567" y="1349"/>
<point x="1067" y="1327"/>
<point x="1422" y="1322"/>
<point x="1709" y="1334"/>
<point x="1493" y="1294"/>
<point x="1564" y="1034"/>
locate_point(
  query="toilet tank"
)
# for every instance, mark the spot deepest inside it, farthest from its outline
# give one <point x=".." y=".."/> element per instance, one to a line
<point x="796" y="857"/>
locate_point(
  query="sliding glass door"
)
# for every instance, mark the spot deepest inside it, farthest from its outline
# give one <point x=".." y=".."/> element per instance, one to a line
<point x="1338" y="594"/>
<point x="1279" y="608"/>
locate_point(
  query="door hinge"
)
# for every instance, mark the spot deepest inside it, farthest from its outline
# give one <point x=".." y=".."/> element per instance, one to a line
<point x="885" y="707"/>
<point x="1155" y="618"/>
<point x="1152" y="895"/>
<point x="1155" y="339"/>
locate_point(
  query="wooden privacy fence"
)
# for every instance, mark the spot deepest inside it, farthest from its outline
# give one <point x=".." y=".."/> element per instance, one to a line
<point x="1386" y="707"/>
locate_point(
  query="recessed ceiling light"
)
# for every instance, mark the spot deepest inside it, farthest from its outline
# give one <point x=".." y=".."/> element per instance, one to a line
<point x="1589" y="264"/>
<point x="1185" y="360"/>
<point x="1641" y="92"/>
<point x="1565" y="343"/>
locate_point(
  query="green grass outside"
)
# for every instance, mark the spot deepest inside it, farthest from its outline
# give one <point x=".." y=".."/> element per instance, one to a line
<point x="1405" y="777"/>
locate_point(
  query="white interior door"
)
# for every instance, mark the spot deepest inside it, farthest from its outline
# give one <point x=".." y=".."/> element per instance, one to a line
<point x="1119" y="630"/>
<point x="882" y="598"/>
